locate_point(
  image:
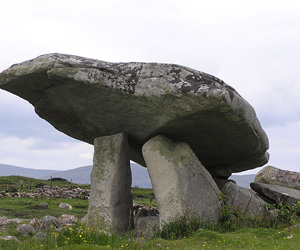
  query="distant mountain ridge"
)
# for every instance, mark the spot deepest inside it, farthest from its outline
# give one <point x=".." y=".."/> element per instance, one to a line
<point x="81" y="175"/>
<point x="6" y="170"/>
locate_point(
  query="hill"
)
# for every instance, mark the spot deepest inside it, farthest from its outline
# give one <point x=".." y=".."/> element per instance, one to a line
<point x="81" y="175"/>
<point x="6" y="170"/>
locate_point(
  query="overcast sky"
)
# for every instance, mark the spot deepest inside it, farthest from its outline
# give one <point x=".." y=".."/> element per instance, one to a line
<point x="251" y="45"/>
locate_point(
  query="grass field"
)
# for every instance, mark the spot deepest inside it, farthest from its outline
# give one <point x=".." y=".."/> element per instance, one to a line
<point x="245" y="236"/>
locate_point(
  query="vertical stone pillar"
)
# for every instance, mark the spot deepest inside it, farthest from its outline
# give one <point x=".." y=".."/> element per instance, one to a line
<point x="110" y="202"/>
<point x="181" y="184"/>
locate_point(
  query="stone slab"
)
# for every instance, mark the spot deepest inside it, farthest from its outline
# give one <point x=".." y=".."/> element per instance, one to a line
<point x="87" y="98"/>
<point x="110" y="202"/>
<point x="279" y="194"/>
<point x="182" y="186"/>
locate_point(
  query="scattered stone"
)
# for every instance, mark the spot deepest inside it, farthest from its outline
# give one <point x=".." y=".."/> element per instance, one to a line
<point x="278" y="194"/>
<point x="182" y="186"/>
<point x="9" y="238"/>
<point x="86" y="98"/>
<point x="110" y="203"/>
<point x="40" y="236"/>
<point x="276" y="176"/>
<point x="65" y="206"/>
<point x="56" y="192"/>
<point x="48" y="223"/>
<point x="15" y="220"/>
<point x="65" y="219"/>
<point x="44" y="205"/>
<point x="243" y="200"/>
<point x="25" y="230"/>
<point x="35" y="223"/>
<point x="3" y="221"/>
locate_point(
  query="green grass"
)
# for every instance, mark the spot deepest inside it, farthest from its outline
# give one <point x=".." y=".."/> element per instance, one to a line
<point x="28" y="208"/>
<point x="143" y="196"/>
<point x="246" y="238"/>
<point x="233" y="233"/>
<point x="13" y="183"/>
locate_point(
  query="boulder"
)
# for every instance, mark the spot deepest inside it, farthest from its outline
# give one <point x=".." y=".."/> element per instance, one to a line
<point x="65" y="206"/>
<point x="49" y="223"/>
<point x="278" y="194"/>
<point x="182" y="186"/>
<point x="4" y="221"/>
<point x="110" y="203"/>
<point x="87" y="98"/>
<point x="40" y="236"/>
<point x="65" y="219"/>
<point x="146" y="226"/>
<point x="25" y="230"/>
<point x="276" y="176"/>
<point x="243" y="200"/>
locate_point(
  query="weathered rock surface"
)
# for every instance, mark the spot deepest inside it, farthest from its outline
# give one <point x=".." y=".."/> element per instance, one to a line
<point x="44" y="205"/>
<point x="65" y="206"/>
<point x="4" y="221"/>
<point x="182" y="186"/>
<point x="110" y="203"/>
<point x="279" y="194"/>
<point x="87" y="98"/>
<point x="25" y="230"/>
<point x="276" y="176"/>
<point x="65" y="219"/>
<point x="146" y="226"/>
<point x="49" y="222"/>
<point x="9" y="238"/>
<point x="243" y="200"/>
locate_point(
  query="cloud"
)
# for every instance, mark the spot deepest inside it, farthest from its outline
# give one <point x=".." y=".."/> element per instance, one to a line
<point x="22" y="152"/>
<point x="251" y="45"/>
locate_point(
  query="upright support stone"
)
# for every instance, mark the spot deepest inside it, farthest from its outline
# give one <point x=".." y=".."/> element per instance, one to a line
<point x="110" y="203"/>
<point x="182" y="186"/>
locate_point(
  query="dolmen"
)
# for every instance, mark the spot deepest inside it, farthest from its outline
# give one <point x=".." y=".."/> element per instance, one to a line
<point x="190" y="129"/>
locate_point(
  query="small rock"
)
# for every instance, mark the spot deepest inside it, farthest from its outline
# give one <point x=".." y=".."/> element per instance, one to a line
<point x="9" y="238"/>
<point x="65" y="205"/>
<point x="67" y="219"/>
<point x="15" y="220"/>
<point x="146" y="226"/>
<point x="3" y="221"/>
<point x="44" y="205"/>
<point x="49" y="222"/>
<point x="40" y="236"/>
<point x="25" y="230"/>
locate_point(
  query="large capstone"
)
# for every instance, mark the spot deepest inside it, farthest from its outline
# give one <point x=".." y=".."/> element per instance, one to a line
<point x="182" y="186"/>
<point x="110" y="202"/>
<point x="87" y="98"/>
